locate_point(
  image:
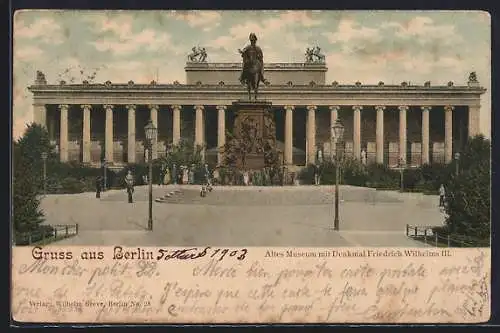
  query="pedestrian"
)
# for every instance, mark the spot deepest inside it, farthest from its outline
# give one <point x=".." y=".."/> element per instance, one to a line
<point x="98" y="187"/>
<point x="174" y="174"/>
<point x="185" y="175"/>
<point x="208" y="178"/>
<point x="166" y="177"/>
<point x="246" y="177"/>
<point x="129" y="182"/>
<point x="442" y="193"/>
<point x="316" y="175"/>
<point x="191" y="174"/>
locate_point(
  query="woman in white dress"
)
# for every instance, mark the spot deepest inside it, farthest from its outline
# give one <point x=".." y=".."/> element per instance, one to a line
<point x="245" y="178"/>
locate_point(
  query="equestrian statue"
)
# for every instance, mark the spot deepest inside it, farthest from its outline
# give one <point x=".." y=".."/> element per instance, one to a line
<point x="253" y="67"/>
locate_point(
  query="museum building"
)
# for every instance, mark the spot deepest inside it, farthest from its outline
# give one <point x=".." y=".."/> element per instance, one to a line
<point x="417" y="124"/>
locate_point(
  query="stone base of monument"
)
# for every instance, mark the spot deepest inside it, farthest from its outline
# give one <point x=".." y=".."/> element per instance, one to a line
<point x="253" y="124"/>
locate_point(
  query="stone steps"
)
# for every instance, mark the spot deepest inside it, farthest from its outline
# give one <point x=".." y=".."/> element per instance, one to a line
<point x="169" y="195"/>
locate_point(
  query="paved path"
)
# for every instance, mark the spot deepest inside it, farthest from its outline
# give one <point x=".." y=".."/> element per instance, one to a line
<point x="244" y="216"/>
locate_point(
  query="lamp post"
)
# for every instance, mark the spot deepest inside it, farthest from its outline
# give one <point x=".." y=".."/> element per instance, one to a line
<point x="282" y="158"/>
<point x="338" y="133"/>
<point x="150" y="131"/>
<point x="401" y="170"/>
<point x="44" y="158"/>
<point x="457" y="160"/>
<point x="105" y="166"/>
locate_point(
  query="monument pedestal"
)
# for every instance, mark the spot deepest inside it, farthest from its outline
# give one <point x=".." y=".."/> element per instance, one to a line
<point x="254" y="125"/>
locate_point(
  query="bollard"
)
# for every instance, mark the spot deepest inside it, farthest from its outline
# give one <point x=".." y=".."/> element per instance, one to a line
<point x="436" y="239"/>
<point x="76" y="228"/>
<point x="448" y="240"/>
<point x="55" y="233"/>
<point x="66" y="230"/>
<point x="425" y="236"/>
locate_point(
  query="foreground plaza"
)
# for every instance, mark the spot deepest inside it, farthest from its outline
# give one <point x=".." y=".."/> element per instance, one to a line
<point x="245" y="216"/>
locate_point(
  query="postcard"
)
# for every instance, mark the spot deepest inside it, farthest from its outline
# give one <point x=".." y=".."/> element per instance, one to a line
<point x="251" y="167"/>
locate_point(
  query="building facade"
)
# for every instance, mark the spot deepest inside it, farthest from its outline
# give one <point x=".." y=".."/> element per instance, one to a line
<point x="92" y="122"/>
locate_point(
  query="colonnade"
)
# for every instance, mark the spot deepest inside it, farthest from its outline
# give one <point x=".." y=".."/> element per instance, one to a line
<point x="288" y="133"/>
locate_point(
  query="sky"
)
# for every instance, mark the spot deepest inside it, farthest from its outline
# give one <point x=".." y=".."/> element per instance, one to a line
<point x="364" y="46"/>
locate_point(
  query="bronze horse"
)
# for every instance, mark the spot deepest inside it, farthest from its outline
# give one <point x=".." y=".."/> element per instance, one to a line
<point x="253" y="67"/>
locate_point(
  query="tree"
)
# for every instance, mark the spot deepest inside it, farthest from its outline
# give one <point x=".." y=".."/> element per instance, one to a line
<point x="27" y="177"/>
<point x="468" y="195"/>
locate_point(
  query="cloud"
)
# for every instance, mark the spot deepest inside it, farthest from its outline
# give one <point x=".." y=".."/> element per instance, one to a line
<point x="349" y="29"/>
<point x="116" y="35"/>
<point x="423" y="29"/>
<point x="44" y="29"/>
<point x="146" y="40"/>
<point x="206" y="19"/>
<point x="274" y="33"/>
<point x="27" y="53"/>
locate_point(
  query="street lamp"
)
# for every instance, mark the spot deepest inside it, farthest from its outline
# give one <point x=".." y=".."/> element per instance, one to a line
<point x="105" y="166"/>
<point x="401" y="169"/>
<point x="44" y="158"/>
<point x="150" y="131"/>
<point x="457" y="159"/>
<point x="338" y="133"/>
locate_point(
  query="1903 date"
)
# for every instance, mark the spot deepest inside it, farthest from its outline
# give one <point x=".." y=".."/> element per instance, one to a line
<point x="196" y="253"/>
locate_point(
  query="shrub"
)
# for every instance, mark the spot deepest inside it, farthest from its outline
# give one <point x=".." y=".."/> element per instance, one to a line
<point x="468" y="195"/>
<point x="27" y="178"/>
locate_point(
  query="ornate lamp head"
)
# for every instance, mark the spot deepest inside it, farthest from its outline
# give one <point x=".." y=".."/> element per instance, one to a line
<point x="338" y="130"/>
<point x="150" y="131"/>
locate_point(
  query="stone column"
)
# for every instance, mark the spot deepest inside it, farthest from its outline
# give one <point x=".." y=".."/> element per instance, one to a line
<point x="288" y="151"/>
<point x="40" y="114"/>
<point x="474" y="119"/>
<point x="402" y="132"/>
<point x="357" y="131"/>
<point x="108" y="139"/>
<point x="334" y="109"/>
<point x="425" y="135"/>
<point x="63" y="138"/>
<point x="448" y="133"/>
<point x="380" y="134"/>
<point x="153" y="111"/>
<point x="198" y="131"/>
<point x="176" y="126"/>
<point x="311" y="134"/>
<point x="86" y="133"/>
<point x="221" y="132"/>
<point x="131" y="134"/>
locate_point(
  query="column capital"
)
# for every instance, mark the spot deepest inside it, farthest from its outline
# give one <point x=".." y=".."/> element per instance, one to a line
<point x="86" y="106"/>
<point x="334" y="107"/>
<point x="153" y="106"/>
<point x="199" y="107"/>
<point x="357" y="107"/>
<point x="289" y="107"/>
<point x="63" y="106"/>
<point x="380" y="107"/>
<point x="176" y="107"/>
<point x="108" y="106"/>
<point x="221" y="107"/>
<point x="312" y="107"/>
<point x="131" y="106"/>
<point x="449" y="108"/>
<point x="426" y="107"/>
<point x="403" y="107"/>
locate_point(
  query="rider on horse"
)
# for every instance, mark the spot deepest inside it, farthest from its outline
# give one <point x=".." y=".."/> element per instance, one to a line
<point x="250" y="52"/>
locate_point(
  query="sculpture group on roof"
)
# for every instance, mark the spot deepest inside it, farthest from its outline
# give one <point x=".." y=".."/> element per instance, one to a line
<point x="314" y="55"/>
<point x="197" y="55"/>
